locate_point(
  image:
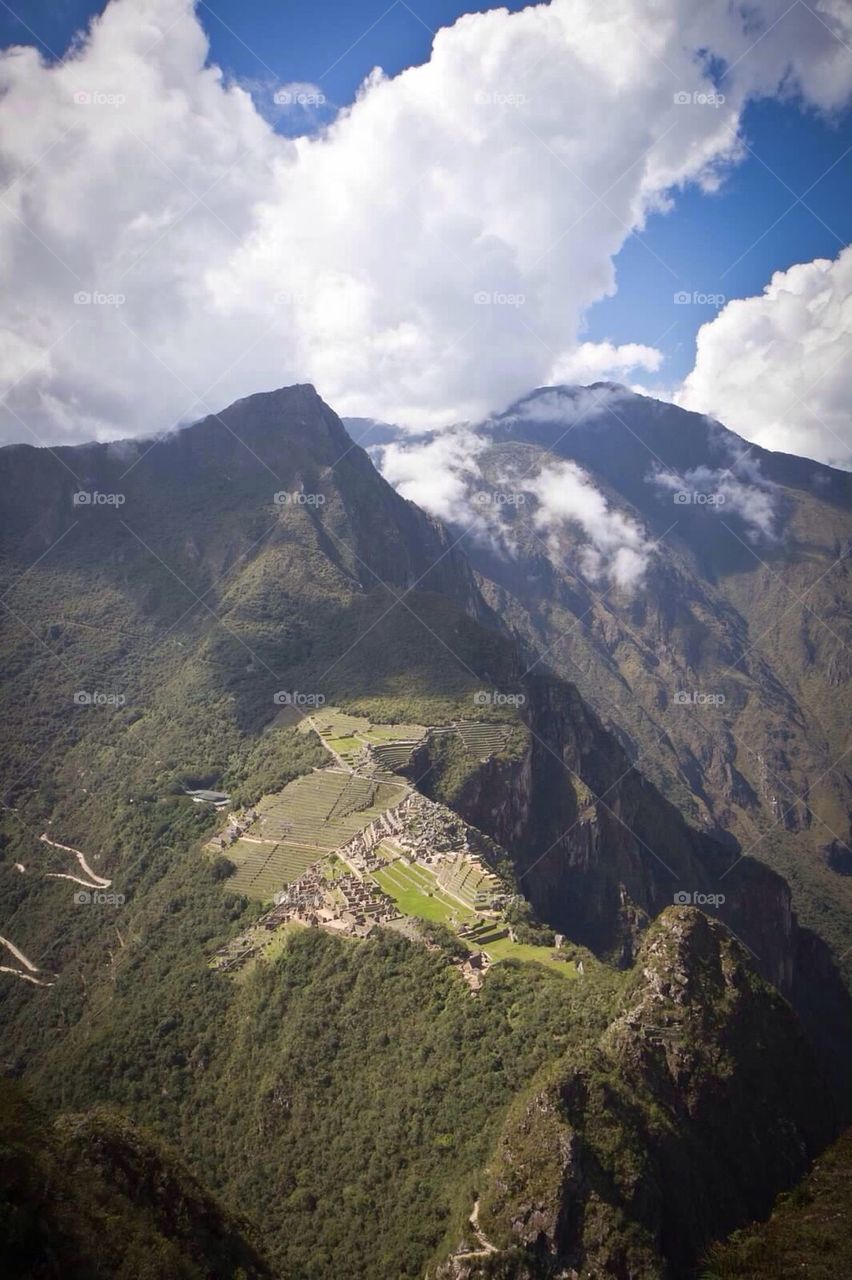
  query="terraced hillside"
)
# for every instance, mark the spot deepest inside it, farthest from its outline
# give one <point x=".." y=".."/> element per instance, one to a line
<point x="482" y="739"/>
<point x="417" y="892"/>
<point x="467" y="880"/>
<point x="361" y="743"/>
<point x="312" y="816"/>
<point x="358" y="741"/>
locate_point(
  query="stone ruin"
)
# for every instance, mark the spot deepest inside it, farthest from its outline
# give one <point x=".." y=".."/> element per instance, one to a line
<point x="345" y="904"/>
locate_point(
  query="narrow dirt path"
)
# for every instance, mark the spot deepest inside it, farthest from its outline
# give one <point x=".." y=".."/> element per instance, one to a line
<point x="341" y="762"/>
<point x="19" y="955"/>
<point x="27" y="977"/>
<point x="64" y="875"/>
<point x="26" y="962"/>
<point x="486" y="1245"/>
<point x="100" y="881"/>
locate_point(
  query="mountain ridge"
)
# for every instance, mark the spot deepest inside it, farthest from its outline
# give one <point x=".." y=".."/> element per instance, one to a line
<point x="195" y="604"/>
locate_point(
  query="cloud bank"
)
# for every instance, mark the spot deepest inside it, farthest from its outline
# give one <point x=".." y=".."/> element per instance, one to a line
<point x="724" y="494"/>
<point x="427" y="256"/>
<point x="558" y="504"/>
<point x="776" y="368"/>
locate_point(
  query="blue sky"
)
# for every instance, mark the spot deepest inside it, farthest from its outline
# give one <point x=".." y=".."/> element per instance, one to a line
<point x="697" y="247"/>
<point x="358" y="260"/>
<point x="731" y="242"/>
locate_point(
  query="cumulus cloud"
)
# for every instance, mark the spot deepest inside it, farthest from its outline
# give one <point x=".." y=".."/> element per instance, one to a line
<point x="439" y="473"/>
<point x="558" y="503"/>
<point x="775" y="368"/>
<point x="615" y="546"/>
<point x="596" y="361"/>
<point x="427" y="255"/>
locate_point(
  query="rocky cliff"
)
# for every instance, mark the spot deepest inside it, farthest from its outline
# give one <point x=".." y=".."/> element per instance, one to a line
<point x="697" y="1105"/>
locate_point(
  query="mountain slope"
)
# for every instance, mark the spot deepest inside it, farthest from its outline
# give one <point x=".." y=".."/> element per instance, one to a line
<point x="723" y="664"/>
<point x="332" y="1083"/>
<point x="810" y="1222"/>
<point x="690" y="1076"/>
<point x="87" y="1195"/>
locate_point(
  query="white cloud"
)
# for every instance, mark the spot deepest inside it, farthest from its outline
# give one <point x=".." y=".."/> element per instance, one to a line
<point x="775" y="368"/>
<point x="596" y="361"/>
<point x="439" y="473"/>
<point x="615" y="547"/>
<point x="514" y="163"/>
<point x="750" y="496"/>
<point x="559" y="504"/>
<point x="568" y="406"/>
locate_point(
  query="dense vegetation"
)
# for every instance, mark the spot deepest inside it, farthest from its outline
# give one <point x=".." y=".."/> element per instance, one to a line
<point x="807" y="1234"/>
<point x="92" y="1195"/>
<point x="348" y="1096"/>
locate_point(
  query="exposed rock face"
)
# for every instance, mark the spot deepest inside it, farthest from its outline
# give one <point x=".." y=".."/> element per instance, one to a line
<point x="599" y="851"/>
<point x="757" y="619"/>
<point x="700" y="1102"/>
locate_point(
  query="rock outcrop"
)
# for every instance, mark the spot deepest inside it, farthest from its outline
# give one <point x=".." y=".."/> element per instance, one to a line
<point x="699" y="1103"/>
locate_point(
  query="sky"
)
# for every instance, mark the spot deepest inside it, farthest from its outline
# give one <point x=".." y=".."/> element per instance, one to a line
<point x="653" y="191"/>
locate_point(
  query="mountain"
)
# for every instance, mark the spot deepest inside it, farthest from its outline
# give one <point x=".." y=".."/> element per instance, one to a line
<point x="245" y="613"/>
<point x="560" y="1196"/>
<point x="86" y="1195"/>
<point x="723" y="663"/>
<point x="809" y="1222"/>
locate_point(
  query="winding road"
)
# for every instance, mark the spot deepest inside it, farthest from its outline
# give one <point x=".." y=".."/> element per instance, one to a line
<point x="99" y="881"/>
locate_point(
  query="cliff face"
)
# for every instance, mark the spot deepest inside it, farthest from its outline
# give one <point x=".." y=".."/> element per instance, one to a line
<point x="743" y="599"/>
<point x="600" y="854"/>
<point x="599" y="851"/>
<point x="700" y="1101"/>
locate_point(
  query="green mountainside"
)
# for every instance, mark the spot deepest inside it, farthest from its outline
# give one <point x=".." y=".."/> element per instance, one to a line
<point x="353" y="1096"/>
<point x="808" y="1232"/>
<point x="654" y="1138"/>
<point x="90" y="1194"/>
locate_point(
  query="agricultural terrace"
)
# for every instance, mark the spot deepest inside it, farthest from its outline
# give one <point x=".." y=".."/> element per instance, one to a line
<point x="358" y="741"/>
<point x="418" y="893"/>
<point x="351" y="737"/>
<point x="320" y="812"/>
<point x="312" y="816"/>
